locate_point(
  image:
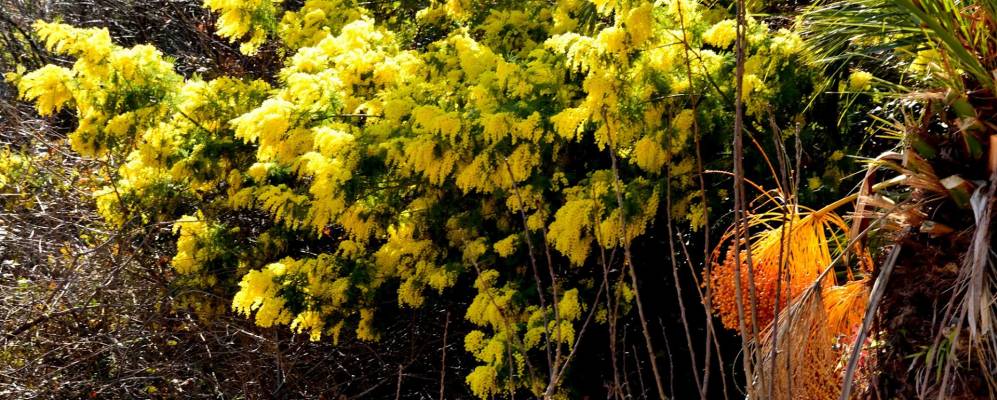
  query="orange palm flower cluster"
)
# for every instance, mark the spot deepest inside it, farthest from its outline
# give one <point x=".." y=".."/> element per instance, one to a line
<point x="794" y="247"/>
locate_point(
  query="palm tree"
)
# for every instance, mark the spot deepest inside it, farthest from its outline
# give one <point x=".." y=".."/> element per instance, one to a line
<point x="915" y="318"/>
<point x="935" y="324"/>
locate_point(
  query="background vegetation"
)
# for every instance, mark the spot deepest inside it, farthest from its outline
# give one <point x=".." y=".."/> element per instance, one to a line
<point x="497" y="199"/>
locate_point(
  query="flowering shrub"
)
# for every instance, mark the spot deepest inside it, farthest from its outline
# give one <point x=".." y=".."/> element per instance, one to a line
<point x="382" y="162"/>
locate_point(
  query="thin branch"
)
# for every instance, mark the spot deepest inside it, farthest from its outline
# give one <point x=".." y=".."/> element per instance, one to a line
<point x="740" y="214"/>
<point x="630" y="268"/>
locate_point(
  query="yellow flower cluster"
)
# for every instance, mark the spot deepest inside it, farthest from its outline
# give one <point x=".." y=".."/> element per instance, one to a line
<point x="190" y="256"/>
<point x="569" y="231"/>
<point x="258" y="292"/>
<point x="92" y="45"/>
<point x="412" y="260"/>
<point x="722" y="34"/>
<point x="243" y="19"/>
<point x="314" y="21"/>
<point x="507" y="246"/>
<point x="102" y="74"/>
<point x="13" y="165"/>
<point x="47" y="86"/>
<point x="321" y="282"/>
<point x="859" y="80"/>
<point x="649" y="155"/>
<point x="484" y="381"/>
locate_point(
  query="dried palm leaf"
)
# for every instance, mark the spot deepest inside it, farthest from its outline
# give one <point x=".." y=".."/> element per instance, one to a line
<point x="971" y="307"/>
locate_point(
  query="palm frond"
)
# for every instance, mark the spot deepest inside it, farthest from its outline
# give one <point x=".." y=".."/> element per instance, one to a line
<point x="892" y="32"/>
<point x="842" y="30"/>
